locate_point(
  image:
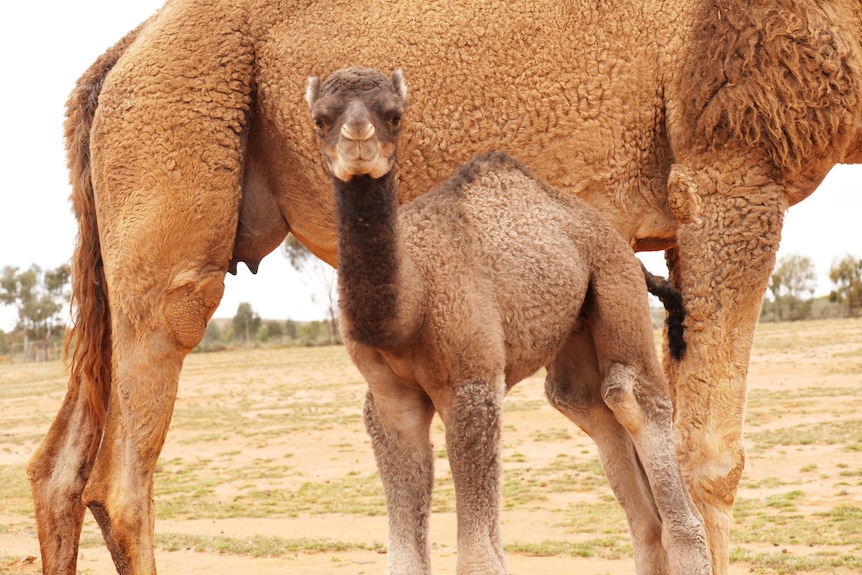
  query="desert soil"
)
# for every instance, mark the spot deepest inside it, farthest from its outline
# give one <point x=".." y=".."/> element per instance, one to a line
<point x="268" y="444"/>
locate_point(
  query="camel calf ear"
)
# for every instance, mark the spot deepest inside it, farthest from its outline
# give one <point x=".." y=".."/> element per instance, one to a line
<point x="312" y="90"/>
<point x="399" y="84"/>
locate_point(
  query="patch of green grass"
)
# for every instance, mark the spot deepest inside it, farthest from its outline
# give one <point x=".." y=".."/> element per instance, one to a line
<point x="784" y="500"/>
<point x="31" y="379"/>
<point x="255" y="546"/>
<point x="15" y="494"/>
<point x="777" y="520"/>
<point x="845" y="521"/>
<point x="512" y="404"/>
<point x="351" y="495"/>
<point x="564" y="474"/>
<point x="603" y="547"/>
<point x="203" y="438"/>
<point x="516" y="458"/>
<point x="607" y="518"/>
<point x="769" y="483"/>
<point x="552" y="435"/>
<point x="832" y="432"/>
<point x="194" y="490"/>
<point x="782" y="562"/>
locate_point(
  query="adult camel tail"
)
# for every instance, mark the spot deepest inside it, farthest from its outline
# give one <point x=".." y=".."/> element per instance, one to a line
<point x="672" y="301"/>
<point x="89" y="339"/>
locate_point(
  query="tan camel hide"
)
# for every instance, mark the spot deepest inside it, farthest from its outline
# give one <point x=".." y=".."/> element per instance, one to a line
<point x="690" y="125"/>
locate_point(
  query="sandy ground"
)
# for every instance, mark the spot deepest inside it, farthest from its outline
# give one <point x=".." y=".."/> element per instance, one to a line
<point x="801" y="375"/>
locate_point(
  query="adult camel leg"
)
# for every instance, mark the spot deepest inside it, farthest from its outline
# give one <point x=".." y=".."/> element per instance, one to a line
<point x="398" y="420"/>
<point x="148" y="356"/>
<point x="573" y="387"/>
<point x="58" y="472"/>
<point x="473" y="420"/>
<point x="730" y="227"/>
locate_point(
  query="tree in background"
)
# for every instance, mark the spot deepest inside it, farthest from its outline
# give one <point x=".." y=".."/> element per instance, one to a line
<point x="792" y="285"/>
<point x="846" y="274"/>
<point x="271" y="330"/>
<point x="291" y="330"/>
<point x="246" y="322"/>
<point x="323" y="279"/>
<point x="39" y="297"/>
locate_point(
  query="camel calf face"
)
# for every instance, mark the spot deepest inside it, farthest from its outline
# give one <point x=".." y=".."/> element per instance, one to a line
<point x="358" y="134"/>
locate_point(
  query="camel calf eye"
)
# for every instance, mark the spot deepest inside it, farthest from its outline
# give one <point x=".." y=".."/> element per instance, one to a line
<point x="396" y="119"/>
<point x="318" y="122"/>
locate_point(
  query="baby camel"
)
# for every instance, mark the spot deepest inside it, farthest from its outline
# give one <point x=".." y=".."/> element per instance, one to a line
<point x="452" y="299"/>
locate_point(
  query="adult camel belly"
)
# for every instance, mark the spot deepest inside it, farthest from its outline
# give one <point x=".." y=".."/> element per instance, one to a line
<point x="690" y="125"/>
<point x="584" y="111"/>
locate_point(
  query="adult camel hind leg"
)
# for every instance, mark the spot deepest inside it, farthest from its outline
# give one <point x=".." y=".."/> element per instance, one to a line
<point x="118" y="486"/>
<point x="58" y="472"/>
<point x="148" y="358"/>
<point x="730" y="227"/>
<point x="160" y="169"/>
<point x="166" y="243"/>
<point x="60" y="466"/>
<point x="573" y="386"/>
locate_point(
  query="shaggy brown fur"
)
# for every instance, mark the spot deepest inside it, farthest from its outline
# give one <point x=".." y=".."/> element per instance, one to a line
<point x="778" y="77"/>
<point x="690" y="125"/>
<point x="464" y="301"/>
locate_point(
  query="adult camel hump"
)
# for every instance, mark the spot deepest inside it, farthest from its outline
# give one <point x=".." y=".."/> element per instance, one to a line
<point x="698" y="123"/>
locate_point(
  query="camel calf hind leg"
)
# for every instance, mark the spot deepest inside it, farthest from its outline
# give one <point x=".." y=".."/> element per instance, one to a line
<point x="634" y="387"/>
<point x="573" y="386"/>
<point x="647" y="418"/>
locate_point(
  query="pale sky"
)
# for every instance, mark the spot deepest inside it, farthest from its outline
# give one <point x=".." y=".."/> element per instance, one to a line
<point x="45" y="46"/>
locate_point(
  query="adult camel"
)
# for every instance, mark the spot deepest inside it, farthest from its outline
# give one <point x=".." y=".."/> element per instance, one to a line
<point x="699" y="122"/>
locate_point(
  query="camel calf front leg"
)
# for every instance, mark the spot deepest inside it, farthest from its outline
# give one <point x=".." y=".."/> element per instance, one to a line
<point x="398" y="421"/>
<point x="473" y="423"/>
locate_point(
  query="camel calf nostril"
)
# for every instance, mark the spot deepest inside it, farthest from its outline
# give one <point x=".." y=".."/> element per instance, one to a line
<point x="358" y="134"/>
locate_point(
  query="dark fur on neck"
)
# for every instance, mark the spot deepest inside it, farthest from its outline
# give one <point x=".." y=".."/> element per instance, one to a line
<point x="672" y="301"/>
<point x="369" y="260"/>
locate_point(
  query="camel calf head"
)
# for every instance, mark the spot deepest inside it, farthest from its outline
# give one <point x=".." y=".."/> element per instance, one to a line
<point x="358" y="116"/>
